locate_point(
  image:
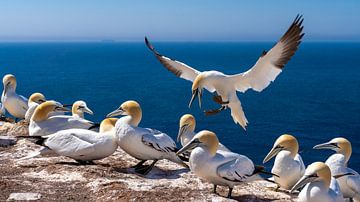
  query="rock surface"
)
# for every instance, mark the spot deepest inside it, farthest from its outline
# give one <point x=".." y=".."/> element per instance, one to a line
<point x="110" y="179"/>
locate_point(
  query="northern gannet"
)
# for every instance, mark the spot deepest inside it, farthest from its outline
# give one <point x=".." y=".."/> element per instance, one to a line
<point x="265" y="70"/>
<point x="187" y="130"/>
<point x="319" y="185"/>
<point x="15" y="104"/>
<point x="288" y="164"/>
<point x="41" y="124"/>
<point x="348" y="179"/>
<point x="34" y="100"/>
<point x="142" y="143"/>
<point x="80" y="144"/>
<point x="216" y="166"/>
<point x="79" y="108"/>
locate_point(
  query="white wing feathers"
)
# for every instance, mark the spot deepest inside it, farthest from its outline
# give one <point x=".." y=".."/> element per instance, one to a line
<point x="270" y="64"/>
<point x="178" y="68"/>
<point x="159" y="141"/>
<point x="68" y="144"/>
<point x="237" y="170"/>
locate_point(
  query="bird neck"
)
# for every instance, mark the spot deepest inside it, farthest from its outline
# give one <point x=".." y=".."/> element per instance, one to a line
<point x="293" y="150"/>
<point x="41" y="113"/>
<point x="134" y="119"/>
<point x="78" y="114"/>
<point x="346" y="152"/>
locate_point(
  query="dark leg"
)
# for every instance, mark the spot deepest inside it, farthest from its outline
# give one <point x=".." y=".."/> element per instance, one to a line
<point x="351" y="199"/>
<point x="218" y="99"/>
<point x="139" y="164"/>
<point x="230" y="191"/>
<point x="144" y="170"/>
<point x="214" y="111"/>
<point x="214" y="188"/>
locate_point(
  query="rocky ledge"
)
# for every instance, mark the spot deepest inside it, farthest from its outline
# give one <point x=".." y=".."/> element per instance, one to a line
<point x="110" y="179"/>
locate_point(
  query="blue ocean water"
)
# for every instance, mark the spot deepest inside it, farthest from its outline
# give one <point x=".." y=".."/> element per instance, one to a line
<point x="315" y="98"/>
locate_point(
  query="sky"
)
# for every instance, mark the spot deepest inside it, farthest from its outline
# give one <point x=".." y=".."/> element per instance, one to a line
<point x="170" y="20"/>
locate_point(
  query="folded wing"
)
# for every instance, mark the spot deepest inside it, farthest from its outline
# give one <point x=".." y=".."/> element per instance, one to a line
<point x="270" y="64"/>
<point x="178" y="68"/>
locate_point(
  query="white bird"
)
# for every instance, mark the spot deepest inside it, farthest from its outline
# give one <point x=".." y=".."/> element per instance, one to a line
<point x="35" y="100"/>
<point x="288" y="164"/>
<point x="142" y="143"/>
<point x="319" y="185"/>
<point x="265" y="70"/>
<point x="80" y="144"/>
<point x="216" y="166"/>
<point x="41" y="124"/>
<point x="2" y="110"/>
<point x="187" y="131"/>
<point x="79" y="108"/>
<point x="15" y="104"/>
<point x="348" y="179"/>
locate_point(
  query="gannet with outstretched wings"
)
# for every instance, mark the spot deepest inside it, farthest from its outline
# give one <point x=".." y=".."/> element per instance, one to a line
<point x="265" y="70"/>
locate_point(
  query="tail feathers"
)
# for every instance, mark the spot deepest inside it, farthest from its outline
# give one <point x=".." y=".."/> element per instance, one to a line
<point x="176" y="159"/>
<point x="39" y="140"/>
<point x="237" y="113"/>
<point x="31" y="155"/>
<point x="96" y="125"/>
<point x="261" y="169"/>
<point x="43" y="152"/>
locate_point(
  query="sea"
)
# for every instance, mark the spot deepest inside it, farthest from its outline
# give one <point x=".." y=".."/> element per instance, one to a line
<point x="315" y="98"/>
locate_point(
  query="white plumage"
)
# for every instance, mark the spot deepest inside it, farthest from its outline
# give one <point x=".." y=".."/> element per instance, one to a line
<point x="265" y="70"/>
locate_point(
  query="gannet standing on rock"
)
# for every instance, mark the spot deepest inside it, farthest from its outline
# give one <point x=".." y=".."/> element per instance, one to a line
<point x="142" y="143"/>
<point x="41" y="124"/>
<point x="79" y="108"/>
<point x="265" y="70"/>
<point x="319" y="185"/>
<point x="80" y="144"/>
<point x="187" y="131"/>
<point x="216" y="166"/>
<point x="349" y="179"/>
<point x="288" y="164"/>
<point x="15" y="104"/>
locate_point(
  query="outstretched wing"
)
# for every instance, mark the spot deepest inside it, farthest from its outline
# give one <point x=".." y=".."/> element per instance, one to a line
<point x="237" y="112"/>
<point x="270" y="64"/>
<point x="178" y="68"/>
<point x="69" y="143"/>
<point x="239" y="169"/>
<point x="159" y="141"/>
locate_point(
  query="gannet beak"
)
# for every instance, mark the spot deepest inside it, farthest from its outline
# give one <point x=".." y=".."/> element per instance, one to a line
<point x="67" y="105"/>
<point x="87" y="110"/>
<point x="117" y="112"/>
<point x="273" y="152"/>
<point x="327" y="145"/>
<point x="200" y="97"/>
<point x="303" y="181"/>
<point x="62" y="109"/>
<point x="194" y="95"/>
<point x="191" y="145"/>
<point x="182" y="129"/>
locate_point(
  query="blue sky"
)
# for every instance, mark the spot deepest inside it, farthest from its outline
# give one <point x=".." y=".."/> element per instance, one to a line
<point x="185" y="20"/>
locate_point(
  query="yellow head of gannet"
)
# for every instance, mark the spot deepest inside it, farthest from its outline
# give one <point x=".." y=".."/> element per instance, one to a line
<point x="9" y="81"/>
<point x="317" y="171"/>
<point x="187" y="122"/>
<point x="42" y="111"/>
<point x="284" y="142"/>
<point x="79" y="107"/>
<point x="205" y="138"/>
<point x="37" y="98"/>
<point x="197" y="88"/>
<point x="130" y="108"/>
<point x="107" y="124"/>
<point x="340" y="145"/>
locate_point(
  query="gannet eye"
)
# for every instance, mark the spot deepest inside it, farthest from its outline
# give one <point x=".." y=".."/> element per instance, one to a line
<point x="81" y="107"/>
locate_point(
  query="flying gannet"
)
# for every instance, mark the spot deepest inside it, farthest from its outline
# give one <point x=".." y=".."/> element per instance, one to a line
<point x="265" y="70"/>
<point x="348" y="179"/>
<point x="15" y="104"/>
<point x="41" y="124"/>
<point x="216" y="166"/>
<point x="319" y="185"/>
<point x="288" y="164"/>
<point x="80" y="144"/>
<point x="142" y="143"/>
<point x="187" y="131"/>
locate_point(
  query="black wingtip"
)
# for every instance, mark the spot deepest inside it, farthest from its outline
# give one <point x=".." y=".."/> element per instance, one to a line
<point x="151" y="47"/>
